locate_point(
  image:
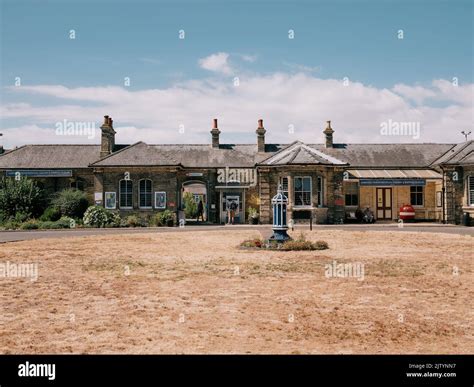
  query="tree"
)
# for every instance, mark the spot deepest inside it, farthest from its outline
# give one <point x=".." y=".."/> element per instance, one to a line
<point x="20" y="197"/>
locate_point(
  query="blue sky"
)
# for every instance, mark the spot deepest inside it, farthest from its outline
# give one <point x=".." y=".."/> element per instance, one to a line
<point x="139" y="40"/>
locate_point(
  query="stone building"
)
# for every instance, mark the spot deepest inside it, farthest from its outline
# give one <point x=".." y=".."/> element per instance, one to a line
<point x="325" y="182"/>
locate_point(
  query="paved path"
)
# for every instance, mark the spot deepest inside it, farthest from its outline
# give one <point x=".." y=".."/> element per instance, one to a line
<point x="12" y="236"/>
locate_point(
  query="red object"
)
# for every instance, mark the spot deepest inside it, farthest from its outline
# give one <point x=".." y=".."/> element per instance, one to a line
<point x="407" y="212"/>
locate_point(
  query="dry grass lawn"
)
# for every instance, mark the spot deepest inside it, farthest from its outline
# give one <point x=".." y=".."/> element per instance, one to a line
<point x="197" y="292"/>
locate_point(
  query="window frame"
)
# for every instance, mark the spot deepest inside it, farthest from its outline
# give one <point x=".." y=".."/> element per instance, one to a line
<point x="115" y="201"/>
<point x="145" y="193"/>
<point x="320" y="192"/>
<point x="127" y="193"/>
<point x="422" y="193"/>
<point x="310" y="205"/>
<point x="285" y="192"/>
<point x="470" y="180"/>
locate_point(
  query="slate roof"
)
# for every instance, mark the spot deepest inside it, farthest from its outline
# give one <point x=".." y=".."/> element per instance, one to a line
<point x="238" y="155"/>
<point x="299" y="153"/>
<point x="187" y="155"/>
<point x="461" y="154"/>
<point x="50" y="156"/>
<point x="386" y="155"/>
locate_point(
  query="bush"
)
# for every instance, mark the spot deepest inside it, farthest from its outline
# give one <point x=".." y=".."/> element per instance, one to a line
<point x="253" y="216"/>
<point x="190" y="206"/>
<point x="71" y="202"/>
<point x="258" y="243"/>
<point x="21" y="196"/>
<point x="64" y="222"/>
<point x="302" y="244"/>
<point x="30" y="225"/>
<point x="11" y="225"/>
<point x="133" y="221"/>
<point x="51" y="214"/>
<point x="166" y="218"/>
<point x="96" y="216"/>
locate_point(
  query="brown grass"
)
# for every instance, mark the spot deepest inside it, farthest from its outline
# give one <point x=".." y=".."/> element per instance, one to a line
<point x="196" y="292"/>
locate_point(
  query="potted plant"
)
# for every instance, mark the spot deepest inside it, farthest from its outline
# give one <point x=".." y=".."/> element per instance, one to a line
<point x="253" y="216"/>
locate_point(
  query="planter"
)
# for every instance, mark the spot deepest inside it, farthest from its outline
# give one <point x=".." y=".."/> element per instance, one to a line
<point x="253" y="220"/>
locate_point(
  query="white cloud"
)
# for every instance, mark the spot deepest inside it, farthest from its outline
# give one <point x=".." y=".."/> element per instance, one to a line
<point x="218" y="63"/>
<point x="301" y="100"/>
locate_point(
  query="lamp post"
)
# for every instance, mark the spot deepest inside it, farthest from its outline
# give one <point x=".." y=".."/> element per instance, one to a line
<point x="279" y="204"/>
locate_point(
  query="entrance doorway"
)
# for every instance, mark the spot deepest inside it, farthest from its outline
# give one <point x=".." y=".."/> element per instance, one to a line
<point x="226" y="198"/>
<point x="191" y="194"/>
<point x="384" y="203"/>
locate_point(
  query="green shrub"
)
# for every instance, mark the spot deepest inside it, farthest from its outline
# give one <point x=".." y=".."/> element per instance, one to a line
<point x="46" y="225"/>
<point x="165" y="218"/>
<point x="190" y="205"/>
<point x="64" y="222"/>
<point x="11" y="225"/>
<point x="133" y="221"/>
<point x="96" y="216"/>
<point x="21" y="196"/>
<point x="51" y="214"/>
<point x="71" y="202"/>
<point x="31" y="224"/>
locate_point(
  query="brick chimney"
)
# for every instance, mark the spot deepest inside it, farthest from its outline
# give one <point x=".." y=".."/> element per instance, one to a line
<point x="328" y="133"/>
<point x="215" y="134"/>
<point x="107" y="143"/>
<point x="260" y="136"/>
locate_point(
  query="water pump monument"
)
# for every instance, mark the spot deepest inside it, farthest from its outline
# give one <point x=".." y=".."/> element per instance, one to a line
<point x="280" y="226"/>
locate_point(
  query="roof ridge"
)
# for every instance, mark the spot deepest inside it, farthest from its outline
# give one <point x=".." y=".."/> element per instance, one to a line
<point x="119" y="151"/>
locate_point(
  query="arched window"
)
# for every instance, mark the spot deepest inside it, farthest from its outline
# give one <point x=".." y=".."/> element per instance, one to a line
<point x="144" y="194"/>
<point x="126" y="194"/>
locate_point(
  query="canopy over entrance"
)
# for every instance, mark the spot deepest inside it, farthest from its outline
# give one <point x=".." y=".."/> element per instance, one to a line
<point x="394" y="174"/>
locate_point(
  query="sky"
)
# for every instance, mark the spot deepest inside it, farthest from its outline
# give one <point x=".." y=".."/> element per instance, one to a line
<point x="164" y="69"/>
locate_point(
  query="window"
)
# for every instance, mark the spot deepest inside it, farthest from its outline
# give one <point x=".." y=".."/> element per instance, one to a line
<point x="352" y="200"/>
<point x="470" y="189"/>
<point x="416" y="195"/>
<point x="320" y="191"/>
<point x="110" y="200"/>
<point x="144" y="193"/>
<point x="351" y="193"/>
<point x="160" y="200"/>
<point x="78" y="184"/>
<point x="284" y="186"/>
<point x="126" y="194"/>
<point x="302" y="190"/>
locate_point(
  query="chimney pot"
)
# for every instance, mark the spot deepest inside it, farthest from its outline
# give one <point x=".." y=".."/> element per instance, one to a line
<point x="328" y="133"/>
<point x="108" y="137"/>
<point x="260" y="136"/>
<point x="215" y="134"/>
